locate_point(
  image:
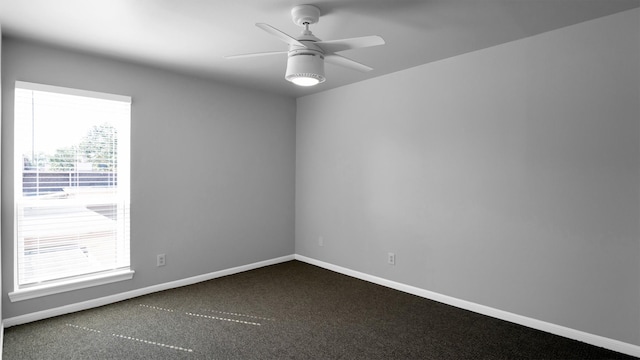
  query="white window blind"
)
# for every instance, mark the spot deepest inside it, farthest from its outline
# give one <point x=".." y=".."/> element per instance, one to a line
<point x="72" y="183"/>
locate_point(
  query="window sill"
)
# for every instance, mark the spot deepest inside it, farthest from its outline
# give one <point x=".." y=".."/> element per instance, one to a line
<point x="59" y="287"/>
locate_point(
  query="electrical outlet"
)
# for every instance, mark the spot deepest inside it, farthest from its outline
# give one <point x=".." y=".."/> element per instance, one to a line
<point x="320" y="241"/>
<point x="391" y="258"/>
<point x="162" y="260"/>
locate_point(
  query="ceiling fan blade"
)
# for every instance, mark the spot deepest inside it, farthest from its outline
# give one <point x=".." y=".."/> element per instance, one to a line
<point x="240" y="56"/>
<point x="346" y="62"/>
<point x="280" y="35"/>
<point x="352" y="43"/>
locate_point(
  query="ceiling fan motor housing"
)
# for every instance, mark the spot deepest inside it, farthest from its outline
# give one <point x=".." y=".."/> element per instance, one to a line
<point x="306" y="64"/>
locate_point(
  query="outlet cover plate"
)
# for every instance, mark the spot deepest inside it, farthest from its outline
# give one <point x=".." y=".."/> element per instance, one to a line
<point x="162" y="260"/>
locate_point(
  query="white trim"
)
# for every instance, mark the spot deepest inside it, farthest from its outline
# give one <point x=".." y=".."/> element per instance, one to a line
<point x="44" y="314"/>
<point x="71" y="91"/>
<point x="80" y="283"/>
<point x="597" y="340"/>
<point x="1" y="338"/>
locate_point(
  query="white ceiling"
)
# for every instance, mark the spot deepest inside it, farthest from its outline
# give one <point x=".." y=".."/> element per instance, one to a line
<point x="193" y="36"/>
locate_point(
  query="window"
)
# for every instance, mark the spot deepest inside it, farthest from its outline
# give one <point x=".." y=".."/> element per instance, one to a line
<point x="71" y="153"/>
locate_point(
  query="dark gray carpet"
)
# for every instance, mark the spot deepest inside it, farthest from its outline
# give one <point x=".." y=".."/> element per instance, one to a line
<point x="286" y="311"/>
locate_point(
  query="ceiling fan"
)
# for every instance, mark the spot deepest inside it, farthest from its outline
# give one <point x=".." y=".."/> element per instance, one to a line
<point x="307" y="53"/>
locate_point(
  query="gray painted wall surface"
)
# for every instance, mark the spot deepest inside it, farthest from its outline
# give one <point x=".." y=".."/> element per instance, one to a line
<point x="236" y="145"/>
<point x="1" y="317"/>
<point x="508" y="177"/>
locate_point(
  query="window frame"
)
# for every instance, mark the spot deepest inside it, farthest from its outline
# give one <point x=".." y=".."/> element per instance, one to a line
<point x="88" y="279"/>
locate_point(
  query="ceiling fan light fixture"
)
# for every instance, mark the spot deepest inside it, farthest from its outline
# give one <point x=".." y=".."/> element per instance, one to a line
<point x="307" y="53"/>
<point x="302" y="80"/>
<point x="305" y="69"/>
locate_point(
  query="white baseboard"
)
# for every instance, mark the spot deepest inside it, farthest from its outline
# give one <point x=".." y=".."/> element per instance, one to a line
<point x="607" y="343"/>
<point x="67" y="309"/>
<point x="1" y="338"/>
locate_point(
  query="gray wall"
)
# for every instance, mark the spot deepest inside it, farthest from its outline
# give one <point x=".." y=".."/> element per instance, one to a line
<point x="507" y="177"/>
<point x="1" y="317"/>
<point x="236" y="146"/>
